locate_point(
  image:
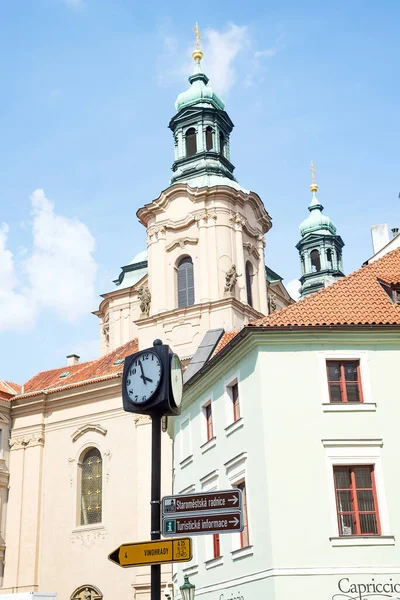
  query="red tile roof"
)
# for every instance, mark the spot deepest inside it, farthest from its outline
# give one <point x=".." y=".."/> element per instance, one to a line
<point x="80" y="374"/>
<point x="225" y="339"/>
<point x="358" y="299"/>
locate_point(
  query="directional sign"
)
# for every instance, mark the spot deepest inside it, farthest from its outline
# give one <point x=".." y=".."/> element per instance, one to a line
<point x="228" y="522"/>
<point x="218" y="501"/>
<point x="152" y="553"/>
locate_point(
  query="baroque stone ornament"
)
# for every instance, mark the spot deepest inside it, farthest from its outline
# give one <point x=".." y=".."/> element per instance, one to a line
<point x="19" y="443"/>
<point x="87" y="592"/>
<point x="231" y="278"/>
<point x="272" y="303"/>
<point x="144" y="296"/>
<point x="88" y="537"/>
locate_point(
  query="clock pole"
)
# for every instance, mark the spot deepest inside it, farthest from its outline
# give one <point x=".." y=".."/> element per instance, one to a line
<point x="155" y="499"/>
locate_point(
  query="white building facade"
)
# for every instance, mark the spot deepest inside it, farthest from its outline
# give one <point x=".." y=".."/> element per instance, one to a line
<point x="303" y="418"/>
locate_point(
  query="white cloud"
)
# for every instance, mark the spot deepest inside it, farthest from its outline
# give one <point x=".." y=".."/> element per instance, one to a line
<point x="61" y="270"/>
<point x="16" y="309"/>
<point x="293" y="288"/>
<point x="221" y="48"/>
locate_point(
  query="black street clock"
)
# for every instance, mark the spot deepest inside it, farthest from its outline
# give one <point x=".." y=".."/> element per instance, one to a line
<point x="152" y="381"/>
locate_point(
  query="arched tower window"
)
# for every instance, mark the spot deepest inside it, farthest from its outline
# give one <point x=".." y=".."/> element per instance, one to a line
<point x="191" y="142"/>
<point x="303" y="266"/>
<point x="185" y="282"/>
<point x="209" y="138"/>
<point x="315" y="261"/>
<point x="221" y="143"/>
<point x="91" y="487"/>
<point x="329" y="258"/>
<point x="249" y="277"/>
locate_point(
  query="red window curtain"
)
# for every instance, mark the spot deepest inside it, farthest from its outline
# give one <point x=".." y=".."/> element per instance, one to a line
<point x="356" y="500"/>
<point x="344" y="381"/>
<point x="235" y="401"/>
<point x="244" y="535"/>
<point x="209" y="423"/>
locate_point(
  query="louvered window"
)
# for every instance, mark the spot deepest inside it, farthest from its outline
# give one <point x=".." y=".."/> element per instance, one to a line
<point x="249" y="277"/>
<point x="185" y="282"/>
<point x="91" y="487"/>
<point x="356" y="502"/>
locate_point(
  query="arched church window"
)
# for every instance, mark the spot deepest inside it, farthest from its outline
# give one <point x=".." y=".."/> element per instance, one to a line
<point x="329" y="258"/>
<point x="249" y="277"/>
<point x="209" y="138"/>
<point x="221" y="143"/>
<point x="91" y="487"/>
<point x="185" y="282"/>
<point x="315" y="261"/>
<point x="303" y="266"/>
<point x="191" y="142"/>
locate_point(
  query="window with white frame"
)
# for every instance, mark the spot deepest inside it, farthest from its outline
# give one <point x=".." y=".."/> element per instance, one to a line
<point x="232" y="390"/>
<point x="237" y="476"/>
<point x="345" y="381"/>
<point x="357" y="493"/>
<point x="91" y="483"/>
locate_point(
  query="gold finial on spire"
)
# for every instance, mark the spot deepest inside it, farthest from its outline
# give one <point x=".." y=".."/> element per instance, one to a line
<point x="313" y="186"/>
<point x="197" y="54"/>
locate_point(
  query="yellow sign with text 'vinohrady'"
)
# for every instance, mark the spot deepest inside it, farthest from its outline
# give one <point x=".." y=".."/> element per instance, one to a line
<point x="154" y="552"/>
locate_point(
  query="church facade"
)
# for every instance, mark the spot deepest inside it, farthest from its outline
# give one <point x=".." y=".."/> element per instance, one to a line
<point x="76" y="465"/>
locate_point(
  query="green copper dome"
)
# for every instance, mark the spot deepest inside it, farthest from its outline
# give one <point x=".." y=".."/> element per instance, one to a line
<point x="199" y="93"/>
<point x="316" y="222"/>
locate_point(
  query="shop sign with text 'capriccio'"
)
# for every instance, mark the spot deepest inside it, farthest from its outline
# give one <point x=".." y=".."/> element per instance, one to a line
<point x="217" y="501"/>
<point x="373" y="588"/>
<point x="228" y="522"/>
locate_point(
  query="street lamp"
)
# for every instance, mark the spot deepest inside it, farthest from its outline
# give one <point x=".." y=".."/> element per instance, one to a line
<point x="187" y="589"/>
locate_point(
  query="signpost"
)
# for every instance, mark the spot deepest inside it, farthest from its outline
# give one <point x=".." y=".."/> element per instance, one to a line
<point x="152" y="553"/>
<point x="218" y="501"/>
<point x="227" y="522"/>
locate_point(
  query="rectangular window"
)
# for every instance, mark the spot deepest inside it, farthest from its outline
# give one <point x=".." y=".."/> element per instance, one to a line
<point x="216" y="546"/>
<point x="344" y="380"/>
<point x="244" y="535"/>
<point x="209" y="422"/>
<point x="356" y="502"/>
<point x="235" y="401"/>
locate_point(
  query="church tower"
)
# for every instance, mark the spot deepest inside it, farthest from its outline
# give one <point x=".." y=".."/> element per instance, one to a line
<point x="320" y="248"/>
<point x="205" y="266"/>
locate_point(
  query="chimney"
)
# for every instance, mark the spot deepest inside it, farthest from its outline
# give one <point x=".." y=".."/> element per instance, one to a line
<point x="395" y="231"/>
<point x="380" y="236"/>
<point x="73" y="359"/>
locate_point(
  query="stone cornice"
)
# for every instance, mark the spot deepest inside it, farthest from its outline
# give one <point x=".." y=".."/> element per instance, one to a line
<point x="86" y="428"/>
<point x="28" y="440"/>
<point x="181" y="242"/>
<point x="205" y="194"/>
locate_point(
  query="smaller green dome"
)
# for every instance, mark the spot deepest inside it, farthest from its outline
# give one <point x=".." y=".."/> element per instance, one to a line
<point x="199" y="93"/>
<point x="316" y="222"/>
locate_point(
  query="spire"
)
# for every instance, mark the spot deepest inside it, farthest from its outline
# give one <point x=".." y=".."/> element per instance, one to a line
<point x="313" y="186"/>
<point x="197" y="53"/>
<point x="314" y="204"/>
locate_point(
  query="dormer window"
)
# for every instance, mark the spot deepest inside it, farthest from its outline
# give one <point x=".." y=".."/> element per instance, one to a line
<point x="209" y="139"/>
<point x="191" y="142"/>
<point x="392" y="290"/>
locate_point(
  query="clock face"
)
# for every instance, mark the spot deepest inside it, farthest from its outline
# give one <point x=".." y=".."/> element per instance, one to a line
<point x="143" y="377"/>
<point x="176" y="379"/>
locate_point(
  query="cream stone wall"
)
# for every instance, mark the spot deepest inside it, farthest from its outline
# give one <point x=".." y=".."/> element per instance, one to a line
<point x="5" y="423"/>
<point x="47" y="548"/>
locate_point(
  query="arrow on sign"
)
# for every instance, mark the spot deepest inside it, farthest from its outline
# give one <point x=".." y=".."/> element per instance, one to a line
<point x="154" y="552"/>
<point x="219" y="501"/>
<point x="233" y="500"/>
<point x="235" y="522"/>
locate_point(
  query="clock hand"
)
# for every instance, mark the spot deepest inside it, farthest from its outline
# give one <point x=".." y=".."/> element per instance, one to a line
<point x="148" y="379"/>
<point x="142" y="375"/>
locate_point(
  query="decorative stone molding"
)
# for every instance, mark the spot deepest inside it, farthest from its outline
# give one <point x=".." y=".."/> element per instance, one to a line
<point x="88" y="537"/>
<point x="181" y="242"/>
<point x="142" y="420"/>
<point x="86" y="428"/>
<point x="205" y="216"/>
<point x="155" y="233"/>
<point x="19" y="443"/>
<point x="238" y="221"/>
<point x="106" y="462"/>
<point x="4" y="419"/>
<point x="251" y="249"/>
<point x="87" y="592"/>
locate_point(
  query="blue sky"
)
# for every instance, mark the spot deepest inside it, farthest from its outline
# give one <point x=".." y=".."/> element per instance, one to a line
<point x="88" y="88"/>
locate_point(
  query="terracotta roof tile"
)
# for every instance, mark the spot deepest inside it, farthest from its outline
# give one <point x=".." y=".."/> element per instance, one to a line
<point x="225" y="339"/>
<point x="80" y="374"/>
<point x="357" y="299"/>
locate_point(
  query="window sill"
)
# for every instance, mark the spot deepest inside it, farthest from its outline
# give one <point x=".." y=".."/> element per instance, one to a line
<point x="186" y="461"/>
<point x="91" y="527"/>
<point x="349" y="407"/>
<point x="242" y="552"/>
<point x="214" y="562"/>
<point x="192" y="570"/>
<point x="361" y="540"/>
<point x="234" y="426"/>
<point x="208" y="445"/>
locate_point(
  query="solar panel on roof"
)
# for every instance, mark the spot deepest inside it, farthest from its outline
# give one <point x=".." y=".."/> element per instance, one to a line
<point x="203" y="352"/>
